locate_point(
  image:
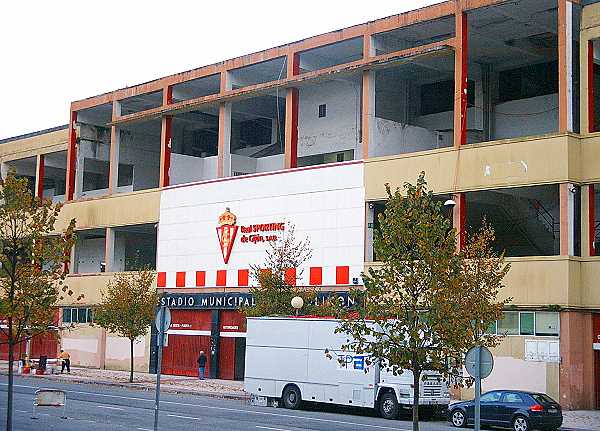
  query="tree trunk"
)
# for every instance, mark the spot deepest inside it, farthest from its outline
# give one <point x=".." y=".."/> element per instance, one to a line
<point x="416" y="393"/>
<point x="9" y="404"/>
<point x="131" y="364"/>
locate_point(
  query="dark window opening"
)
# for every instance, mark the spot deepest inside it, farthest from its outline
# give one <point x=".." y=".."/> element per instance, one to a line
<point x="439" y="97"/>
<point x="529" y="81"/>
<point x="322" y="111"/>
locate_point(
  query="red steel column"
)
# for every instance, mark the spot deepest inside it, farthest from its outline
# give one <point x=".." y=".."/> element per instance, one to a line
<point x="39" y="177"/>
<point x="461" y="67"/>
<point x="591" y="89"/>
<point x="71" y="157"/>
<point x="165" y="140"/>
<point x="292" y="100"/>
<point x="591" y="219"/>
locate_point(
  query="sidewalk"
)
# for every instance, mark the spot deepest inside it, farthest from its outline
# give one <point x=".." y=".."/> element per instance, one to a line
<point x="582" y="419"/>
<point x="145" y="381"/>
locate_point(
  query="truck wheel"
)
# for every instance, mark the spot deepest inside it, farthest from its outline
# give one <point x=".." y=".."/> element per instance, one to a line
<point x="291" y="397"/>
<point x="388" y="406"/>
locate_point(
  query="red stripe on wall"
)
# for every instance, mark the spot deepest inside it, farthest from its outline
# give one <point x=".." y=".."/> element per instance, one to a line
<point x="290" y="276"/>
<point x="161" y="279"/>
<point x="316" y="275"/>
<point x="180" y="279"/>
<point x="221" y="277"/>
<point x="342" y="275"/>
<point x="200" y="278"/>
<point x="242" y="277"/>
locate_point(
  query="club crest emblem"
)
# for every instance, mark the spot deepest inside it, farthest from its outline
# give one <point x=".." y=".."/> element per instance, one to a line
<point x="226" y="231"/>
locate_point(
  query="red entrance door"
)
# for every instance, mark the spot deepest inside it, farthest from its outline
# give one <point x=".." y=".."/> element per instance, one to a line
<point x="181" y="355"/>
<point x="597" y="377"/>
<point x="188" y="335"/>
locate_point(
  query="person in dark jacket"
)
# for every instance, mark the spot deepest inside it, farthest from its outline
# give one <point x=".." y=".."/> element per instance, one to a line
<point x="201" y="365"/>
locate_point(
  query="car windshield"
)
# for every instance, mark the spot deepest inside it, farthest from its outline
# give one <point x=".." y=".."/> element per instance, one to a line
<point x="543" y="399"/>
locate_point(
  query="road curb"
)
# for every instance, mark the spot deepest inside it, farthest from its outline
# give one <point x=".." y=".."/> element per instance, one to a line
<point x="138" y="386"/>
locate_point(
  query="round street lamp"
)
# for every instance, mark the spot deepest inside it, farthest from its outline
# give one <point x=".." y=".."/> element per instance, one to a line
<point x="297" y="303"/>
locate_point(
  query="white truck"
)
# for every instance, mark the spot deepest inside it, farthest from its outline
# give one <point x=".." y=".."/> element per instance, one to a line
<point x="286" y="362"/>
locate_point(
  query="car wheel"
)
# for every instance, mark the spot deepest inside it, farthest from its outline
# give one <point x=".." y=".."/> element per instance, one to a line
<point x="458" y="418"/>
<point x="388" y="406"/>
<point x="291" y="397"/>
<point x="520" y="423"/>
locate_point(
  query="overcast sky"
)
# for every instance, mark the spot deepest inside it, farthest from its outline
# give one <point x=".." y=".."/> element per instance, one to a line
<point x="54" y="52"/>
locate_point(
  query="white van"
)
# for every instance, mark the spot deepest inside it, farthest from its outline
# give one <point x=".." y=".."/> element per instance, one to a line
<point x="286" y="360"/>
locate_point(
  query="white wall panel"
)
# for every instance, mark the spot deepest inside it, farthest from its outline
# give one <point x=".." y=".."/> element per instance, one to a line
<point x="326" y="204"/>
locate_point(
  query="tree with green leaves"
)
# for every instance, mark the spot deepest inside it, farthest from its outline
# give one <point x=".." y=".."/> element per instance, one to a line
<point x="416" y="310"/>
<point x="277" y="276"/>
<point x="33" y="259"/>
<point x="128" y="306"/>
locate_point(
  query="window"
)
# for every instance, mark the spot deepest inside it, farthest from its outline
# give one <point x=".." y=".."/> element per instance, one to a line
<point x="527" y="323"/>
<point x="546" y="323"/>
<point x="66" y="315"/>
<point x="439" y="97"/>
<point x="491" y="397"/>
<point x="530" y="81"/>
<point x="540" y="323"/>
<point x="322" y="110"/>
<point x="513" y="398"/>
<point x="509" y="325"/>
<point x="492" y="328"/>
<point x="77" y="315"/>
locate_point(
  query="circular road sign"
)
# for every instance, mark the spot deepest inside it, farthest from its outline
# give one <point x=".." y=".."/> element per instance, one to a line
<point x="158" y="319"/>
<point x="486" y="361"/>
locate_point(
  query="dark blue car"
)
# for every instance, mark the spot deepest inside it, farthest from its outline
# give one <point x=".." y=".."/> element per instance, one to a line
<point x="519" y="410"/>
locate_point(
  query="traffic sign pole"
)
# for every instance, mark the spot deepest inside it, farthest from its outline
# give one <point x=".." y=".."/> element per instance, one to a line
<point x="162" y="314"/>
<point x="478" y="389"/>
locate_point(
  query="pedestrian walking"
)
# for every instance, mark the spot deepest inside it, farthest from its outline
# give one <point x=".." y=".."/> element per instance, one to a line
<point x="201" y="365"/>
<point x="66" y="361"/>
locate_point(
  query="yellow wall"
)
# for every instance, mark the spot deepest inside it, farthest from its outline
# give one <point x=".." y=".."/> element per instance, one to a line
<point x="40" y="144"/>
<point x="118" y="210"/>
<point x="508" y="163"/>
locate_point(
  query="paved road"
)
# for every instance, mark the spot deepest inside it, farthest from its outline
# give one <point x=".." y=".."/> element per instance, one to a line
<point x="95" y="408"/>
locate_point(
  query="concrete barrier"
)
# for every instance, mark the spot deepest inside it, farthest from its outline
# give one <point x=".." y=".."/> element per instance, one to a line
<point x="50" y="398"/>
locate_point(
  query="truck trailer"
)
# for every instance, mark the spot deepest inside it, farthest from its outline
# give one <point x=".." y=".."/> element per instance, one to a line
<point x="290" y="360"/>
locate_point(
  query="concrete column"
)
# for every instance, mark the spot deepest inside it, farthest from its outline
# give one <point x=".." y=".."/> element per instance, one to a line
<point x="368" y="99"/>
<point x="567" y="221"/>
<point x="224" y="146"/>
<point x="565" y="66"/>
<point x="39" y="176"/>
<point x="109" y="250"/>
<point x="115" y="143"/>
<point x="460" y="77"/>
<point x="576" y="377"/>
<point x="79" y="169"/>
<point x="368" y="110"/>
<point x="292" y="100"/>
<point x="459" y="219"/>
